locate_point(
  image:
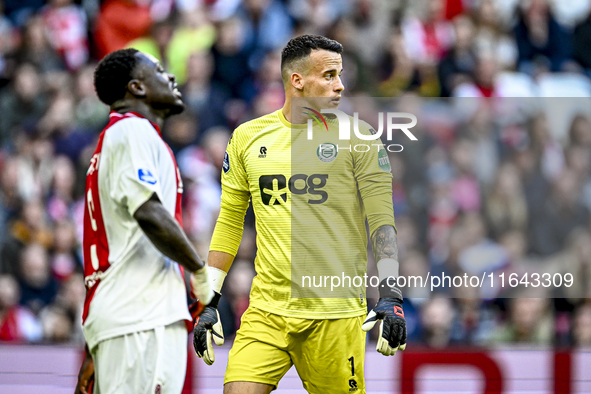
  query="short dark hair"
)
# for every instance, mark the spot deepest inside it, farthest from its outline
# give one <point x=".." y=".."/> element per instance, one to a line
<point x="113" y="73"/>
<point x="300" y="47"/>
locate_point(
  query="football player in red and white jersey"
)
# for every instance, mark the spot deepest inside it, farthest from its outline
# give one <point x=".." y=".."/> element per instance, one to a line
<point x="134" y="247"/>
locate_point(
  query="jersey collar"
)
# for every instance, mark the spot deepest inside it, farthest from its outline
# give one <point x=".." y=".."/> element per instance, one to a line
<point x="286" y="123"/>
<point x="132" y="114"/>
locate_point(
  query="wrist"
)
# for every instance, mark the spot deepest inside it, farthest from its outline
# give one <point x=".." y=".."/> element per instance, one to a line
<point x="215" y="300"/>
<point x="389" y="290"/>
<point x="388" y="273"/>
<point x="217" y="277"/>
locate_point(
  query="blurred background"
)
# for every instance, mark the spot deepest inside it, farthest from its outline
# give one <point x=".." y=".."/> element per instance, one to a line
<point x="517" y="190"/>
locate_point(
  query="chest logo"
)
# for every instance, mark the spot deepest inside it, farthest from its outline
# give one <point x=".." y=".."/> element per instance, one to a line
<point x="327" y="152"/>
<point x="263" y="152"/>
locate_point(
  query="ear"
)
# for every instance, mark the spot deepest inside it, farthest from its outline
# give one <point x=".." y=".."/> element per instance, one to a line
<point x="297" y="81"/>
<point x="137" y="88"/>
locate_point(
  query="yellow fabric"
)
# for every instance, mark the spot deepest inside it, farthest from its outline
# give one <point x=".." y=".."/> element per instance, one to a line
<point x="322" y="230"/>
<point x="328" y="354"/>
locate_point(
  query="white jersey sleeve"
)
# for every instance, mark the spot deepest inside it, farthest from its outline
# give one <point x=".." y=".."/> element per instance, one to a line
<point x="135" y="170"/>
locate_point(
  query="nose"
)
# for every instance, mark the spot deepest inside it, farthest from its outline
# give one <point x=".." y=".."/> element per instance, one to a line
<point x="339" y="87"/>
<point x="171" y="78"/>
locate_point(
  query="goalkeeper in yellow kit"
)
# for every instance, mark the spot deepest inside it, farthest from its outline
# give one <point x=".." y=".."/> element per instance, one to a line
<point x="310" y="203"/>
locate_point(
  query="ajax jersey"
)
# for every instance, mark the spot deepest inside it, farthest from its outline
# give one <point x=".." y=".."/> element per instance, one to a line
<point x="130" y="285"/>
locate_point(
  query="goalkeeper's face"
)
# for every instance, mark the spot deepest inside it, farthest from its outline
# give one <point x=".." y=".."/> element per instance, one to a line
<point x="322" y="81"/>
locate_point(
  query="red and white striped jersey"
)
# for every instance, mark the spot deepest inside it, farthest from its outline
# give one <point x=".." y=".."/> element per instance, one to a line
<point x="130" y="285"/>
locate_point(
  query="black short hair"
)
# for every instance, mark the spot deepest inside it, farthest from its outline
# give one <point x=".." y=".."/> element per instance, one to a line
<point x="113" y="73"/>
<point x="300" y="47"/>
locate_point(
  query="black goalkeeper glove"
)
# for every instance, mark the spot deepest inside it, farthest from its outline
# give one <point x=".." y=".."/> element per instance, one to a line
<point x="392" y="326"/>
<point x="208" y="325"/>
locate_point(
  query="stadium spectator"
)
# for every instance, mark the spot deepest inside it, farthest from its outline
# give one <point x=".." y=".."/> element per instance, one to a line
<point x="543" y="45"/>
<point x="265" y="26"/>
<point x="205" y="98"/>
<point x="66" y="27"/>
<point x="458" y="64"/>
<point x="38" y="287"/>
<point x="505" y="206"/>
<point x="194" y="34"/>
<point x="582" y="326"/>
<point x="581" y="42"/>
<point x="231" y="54"/>
<point x="21" y="104"/>
<point x="17" y="323"/>
<point x="437" y="316"/>
<point x="35" y="47"/>
<point x="64" y="260"/>
<point x="529" y="321"/>
<point x="118" y="23"/>
<point x="90" y="113"/>
<point x="561" y="213"/>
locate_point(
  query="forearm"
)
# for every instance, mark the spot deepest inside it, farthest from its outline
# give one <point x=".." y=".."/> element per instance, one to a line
<point x="167" y="235"/>
<point x="385" y="251"/>
<point x="384" y="243"/>
<point x="220" y="260"/>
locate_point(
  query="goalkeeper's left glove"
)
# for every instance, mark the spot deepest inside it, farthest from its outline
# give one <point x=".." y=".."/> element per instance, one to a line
<point x="393" y="325"/>
<point x="208" y="326"/>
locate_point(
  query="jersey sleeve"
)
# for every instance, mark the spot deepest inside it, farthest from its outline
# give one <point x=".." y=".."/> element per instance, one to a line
<point x="134" y="170"/>
<point x="374" y="180"/>
<point x="235" y="197"/>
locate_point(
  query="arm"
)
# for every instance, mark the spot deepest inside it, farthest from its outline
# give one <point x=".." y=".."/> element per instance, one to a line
<point x="169" y="238"/>
<point x="374" y="178"/>
<point x="224" y="246"/>
<point x="392" y="336"/>
<point x="166" y="234"/>
<point x="384" y="243"/>
<point x="86" y="374"/>
<point x="220" y="260"/>
<point x="385" y="251"/>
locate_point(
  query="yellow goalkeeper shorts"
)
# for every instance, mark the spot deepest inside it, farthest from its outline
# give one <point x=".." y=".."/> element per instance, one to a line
<point x="328" y="353"/>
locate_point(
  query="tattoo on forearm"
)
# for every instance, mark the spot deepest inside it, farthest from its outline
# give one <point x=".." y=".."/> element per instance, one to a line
<point x="384" y="243"/>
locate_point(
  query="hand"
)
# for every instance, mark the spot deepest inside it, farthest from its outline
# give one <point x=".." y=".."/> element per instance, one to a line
<point x="392" y="326"/>
<point x="86" y="375"/>
<point x="208" y="325"/>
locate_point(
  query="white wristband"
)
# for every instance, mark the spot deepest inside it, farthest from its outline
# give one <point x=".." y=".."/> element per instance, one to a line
<point x="387" y="268"/>
<point x="216" y="277"/>
<point x="202" y="285"/>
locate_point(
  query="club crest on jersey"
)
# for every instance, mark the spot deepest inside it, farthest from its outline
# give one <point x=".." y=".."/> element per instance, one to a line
<point x="146" y="176"/>
<point x="327" y="152"/>
<point x="384" y="161"/>
<point x="226" y="163"/>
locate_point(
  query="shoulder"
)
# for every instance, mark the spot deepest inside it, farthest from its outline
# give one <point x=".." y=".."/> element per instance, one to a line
<point x="363" y="128"/>
<point x="129" y="131"/>
<point x="246" y="131"/>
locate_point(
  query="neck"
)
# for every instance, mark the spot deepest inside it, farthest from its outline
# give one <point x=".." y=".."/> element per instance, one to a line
<point x="294" y="115"/>
<point x="154" y="116"/>
<point x="287" y="107"/>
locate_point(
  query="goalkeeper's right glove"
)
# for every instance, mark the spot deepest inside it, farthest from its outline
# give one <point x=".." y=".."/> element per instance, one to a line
<point x="208" y="325"/>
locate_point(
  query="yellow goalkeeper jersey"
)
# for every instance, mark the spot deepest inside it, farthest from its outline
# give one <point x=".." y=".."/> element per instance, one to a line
<point x="310" y="198"/>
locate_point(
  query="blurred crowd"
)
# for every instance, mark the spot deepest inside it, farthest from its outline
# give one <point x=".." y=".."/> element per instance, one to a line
<point x="517" y="193"/>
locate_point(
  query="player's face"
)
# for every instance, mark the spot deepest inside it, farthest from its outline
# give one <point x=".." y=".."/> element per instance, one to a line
<point x="323" y="79"/>
<point x="161" y="88"/>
